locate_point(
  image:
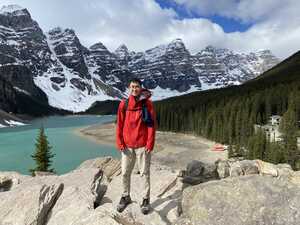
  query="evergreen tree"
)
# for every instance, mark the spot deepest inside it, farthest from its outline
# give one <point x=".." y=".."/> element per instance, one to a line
<point x="42" y="155"/>
<point x="228" y="116"/>
<point x="288" y="127"/>
<point x="257" y="145"/>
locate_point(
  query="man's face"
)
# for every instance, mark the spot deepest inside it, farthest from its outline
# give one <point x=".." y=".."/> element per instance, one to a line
<point x="134" y="88"/>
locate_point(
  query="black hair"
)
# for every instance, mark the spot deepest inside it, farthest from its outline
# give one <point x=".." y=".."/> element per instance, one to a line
<point x="135" y="80"/>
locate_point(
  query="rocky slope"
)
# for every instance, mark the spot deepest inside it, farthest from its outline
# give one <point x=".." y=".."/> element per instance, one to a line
<point x="9" y="120"/>
<point x="73" y="76"/>
<point x="17" y="104"/>
<point x="230" y="191"/>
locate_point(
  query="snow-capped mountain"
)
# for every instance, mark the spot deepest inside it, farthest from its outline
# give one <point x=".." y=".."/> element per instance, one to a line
<point x="70" y="82"/>
<point x="55" y="67"/>
<point x="222" y="67"/>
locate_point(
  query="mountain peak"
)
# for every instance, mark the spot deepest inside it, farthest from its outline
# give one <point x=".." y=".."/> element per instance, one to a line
<point x="59" y="29"/>
<point x="177" y="40"/>
<point x="122" y="47"/>
<point x="98" y="46"/>
<point x="55" y="30"/>
<point x="13" y="9"/>
<point x="122" y="51"/>
<point x="210" y="48"/>
<point x="176" y="45"/>
<point x="264" y="52"/>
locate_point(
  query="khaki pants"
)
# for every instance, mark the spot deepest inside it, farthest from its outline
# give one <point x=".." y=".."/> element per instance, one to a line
<point x="143" y="158"/>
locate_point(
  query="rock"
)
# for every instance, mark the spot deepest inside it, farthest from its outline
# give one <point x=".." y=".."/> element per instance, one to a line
<point x="284" y="166"/>
<point x="84" y="189"/>
<point x="266" y="168"/>
<point x="223" y="168"/>
<point x="99" y="217"/>
<point x="63" y="199"/>
<point x="43" y="173"/>
<point x="86" y="196"/>
<point x="284" y="170"/>
<point x="244" y="167"/>
<point x="5" y="184"/>
<point x="295" y="178"/>
<point x="164" y="196"/>
<point x="236" y="167"/>
<point x="110" y="166"/>
<point x="246" y="200"/>
<point x="9" y="180"/>
<point x="195" y="168"/>
<point x="167" y="187"/>
<point x="28" y="205"/>
<point x="198" y="172"/>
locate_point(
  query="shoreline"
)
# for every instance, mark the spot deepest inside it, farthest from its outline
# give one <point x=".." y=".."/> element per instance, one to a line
<point x="84" y="133"/>
<point x="171" y="149"/>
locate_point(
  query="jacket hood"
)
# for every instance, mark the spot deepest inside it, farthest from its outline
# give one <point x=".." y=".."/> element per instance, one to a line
<point x="145" y="94"/>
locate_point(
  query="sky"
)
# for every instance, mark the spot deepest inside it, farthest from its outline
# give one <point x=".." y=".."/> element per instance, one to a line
<point x="240" y="25"/>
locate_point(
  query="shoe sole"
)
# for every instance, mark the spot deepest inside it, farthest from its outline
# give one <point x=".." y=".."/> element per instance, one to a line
<point x="122" y="209"/>
<point x="145" y="210"/>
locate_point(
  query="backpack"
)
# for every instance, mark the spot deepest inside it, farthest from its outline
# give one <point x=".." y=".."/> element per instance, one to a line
<point x="146" y="116"/>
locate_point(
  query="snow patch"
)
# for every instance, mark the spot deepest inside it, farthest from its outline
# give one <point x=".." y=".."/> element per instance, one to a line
<point x="160" y="93"/>
<point x="2" y="126"/>
<point x="15" y="9"/>
<point x="11" y="123"/>
<point x="21" y="90"/>
<point x="68" y="97"/>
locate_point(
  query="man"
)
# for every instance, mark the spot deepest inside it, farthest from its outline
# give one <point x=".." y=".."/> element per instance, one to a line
<point x="135" y="139"/>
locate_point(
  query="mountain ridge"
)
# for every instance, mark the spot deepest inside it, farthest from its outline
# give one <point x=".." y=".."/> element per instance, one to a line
<point x="74" y="76"/>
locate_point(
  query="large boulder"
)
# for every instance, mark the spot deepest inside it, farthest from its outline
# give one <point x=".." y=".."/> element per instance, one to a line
<point x="28" y="205"/>
<point x="244" y="167"/>
<point x="246" y="200"/>
<point x="223" y="168"/>
<point x="198" y="172"/>
<point x="83" y="191"/>
<point x="56" y="199"/>
<point x="197" y="195"/>
<point x="233" y="168"/>
<point x="11" y="179"/>
<point x="266" y="168"/>
<point x="110" y="166"/>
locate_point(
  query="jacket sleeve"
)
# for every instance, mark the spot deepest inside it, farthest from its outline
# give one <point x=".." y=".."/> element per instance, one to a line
<point x="151" y="130"/>
<point x="119" y="128"/>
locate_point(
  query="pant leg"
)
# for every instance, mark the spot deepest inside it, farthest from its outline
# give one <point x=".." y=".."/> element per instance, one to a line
<point x="127" y="165"/>
<point x="144" y="158"/>
<point x="136" y="169"/>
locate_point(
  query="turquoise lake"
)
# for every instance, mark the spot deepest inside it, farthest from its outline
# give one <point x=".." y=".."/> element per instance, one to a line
<point x="18" y="143"/>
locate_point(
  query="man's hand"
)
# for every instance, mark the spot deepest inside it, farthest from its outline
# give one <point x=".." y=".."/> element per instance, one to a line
<point x="123" y="149"/>
<point x="147" y="150"/>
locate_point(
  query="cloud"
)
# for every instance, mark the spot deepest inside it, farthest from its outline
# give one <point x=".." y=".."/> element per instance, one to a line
<point x="143" y="24"/>
<point x="243" y="10"/>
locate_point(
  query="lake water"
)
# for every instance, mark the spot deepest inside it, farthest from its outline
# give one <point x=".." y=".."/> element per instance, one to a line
<point x="18" y="143"/>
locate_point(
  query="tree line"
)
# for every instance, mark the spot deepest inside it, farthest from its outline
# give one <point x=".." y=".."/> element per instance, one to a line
<point x="228" y="116"/>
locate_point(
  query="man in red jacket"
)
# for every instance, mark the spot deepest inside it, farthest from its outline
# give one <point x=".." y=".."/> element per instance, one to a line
<point x="135" y="139"/>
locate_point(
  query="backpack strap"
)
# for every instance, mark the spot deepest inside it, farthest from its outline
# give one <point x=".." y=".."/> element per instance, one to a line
<point x="126" y="104"/>
<point x="144" y="103"/>
<point x="125" y="107"/>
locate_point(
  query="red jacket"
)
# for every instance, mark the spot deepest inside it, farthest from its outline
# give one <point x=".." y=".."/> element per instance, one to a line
<point x="132" y="132"/>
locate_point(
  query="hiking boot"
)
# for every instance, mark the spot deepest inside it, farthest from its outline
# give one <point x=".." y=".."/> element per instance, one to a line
<point x="124" y="201"/>
<point x="145" y="207"/>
